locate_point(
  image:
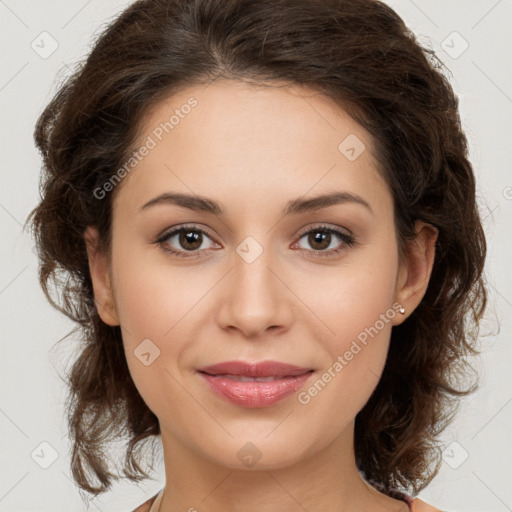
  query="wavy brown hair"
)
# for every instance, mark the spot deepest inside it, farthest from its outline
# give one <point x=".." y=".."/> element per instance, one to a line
<point x="361" y="55"/>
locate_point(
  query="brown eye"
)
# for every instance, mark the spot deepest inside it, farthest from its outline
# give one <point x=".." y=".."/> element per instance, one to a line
<point x="321" y="238"/>
<point x="185" y="241"/>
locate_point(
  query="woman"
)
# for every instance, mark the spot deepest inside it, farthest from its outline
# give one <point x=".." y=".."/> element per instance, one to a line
<point x="263" y="219"/>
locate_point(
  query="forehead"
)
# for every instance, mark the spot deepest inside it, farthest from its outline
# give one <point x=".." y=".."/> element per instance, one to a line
<point x="230" y="136"/>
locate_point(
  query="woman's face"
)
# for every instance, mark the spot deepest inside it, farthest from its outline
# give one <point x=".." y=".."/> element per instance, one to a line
<point x="267" y="280"/>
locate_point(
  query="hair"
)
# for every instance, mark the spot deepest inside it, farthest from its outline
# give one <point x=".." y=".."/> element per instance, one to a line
<point x="361" y="55"/>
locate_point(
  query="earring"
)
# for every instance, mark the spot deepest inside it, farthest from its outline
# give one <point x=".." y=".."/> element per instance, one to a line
<point x="402" y="310"/>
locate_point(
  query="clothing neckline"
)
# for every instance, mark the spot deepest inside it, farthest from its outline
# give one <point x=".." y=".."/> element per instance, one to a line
<point x="157" y="500"/>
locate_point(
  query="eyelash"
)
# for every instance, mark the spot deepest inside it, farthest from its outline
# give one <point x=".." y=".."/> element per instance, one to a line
<point x="348" y="240"/>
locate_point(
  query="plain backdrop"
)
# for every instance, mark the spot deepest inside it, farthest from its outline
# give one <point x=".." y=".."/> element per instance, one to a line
<point x="38" y="40"/>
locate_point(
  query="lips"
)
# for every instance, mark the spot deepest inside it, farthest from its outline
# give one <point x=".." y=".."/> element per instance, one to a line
<point x="254" y="385"/>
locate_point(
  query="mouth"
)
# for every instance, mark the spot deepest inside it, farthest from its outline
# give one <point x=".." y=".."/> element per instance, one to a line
<point x="255" y="385"/>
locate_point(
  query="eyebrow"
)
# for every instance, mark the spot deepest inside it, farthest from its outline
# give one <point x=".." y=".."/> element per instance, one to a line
<point x="296" y="206"/>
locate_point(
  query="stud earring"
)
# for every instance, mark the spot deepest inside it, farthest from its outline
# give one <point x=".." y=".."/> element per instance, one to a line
<point x="402" y="310"/>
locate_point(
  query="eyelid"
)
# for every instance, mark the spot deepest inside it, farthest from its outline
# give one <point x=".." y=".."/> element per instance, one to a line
<point x="321" y="225"/>
<point x="174" y="229"/>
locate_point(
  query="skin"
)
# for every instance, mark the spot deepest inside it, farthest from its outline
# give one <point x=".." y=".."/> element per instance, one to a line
<point x="253" y="149"/>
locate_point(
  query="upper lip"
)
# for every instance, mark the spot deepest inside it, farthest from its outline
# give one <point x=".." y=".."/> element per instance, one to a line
<point x="261" y="369"/>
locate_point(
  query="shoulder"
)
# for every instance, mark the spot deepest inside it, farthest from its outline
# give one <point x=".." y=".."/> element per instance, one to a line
<point x="418" y="505"/>
<point x="146" y="506"/>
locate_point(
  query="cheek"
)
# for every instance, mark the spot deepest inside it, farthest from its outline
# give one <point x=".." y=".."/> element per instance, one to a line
<point x="152" y="296"/>
<point x="353" y="297"/>
<point x="356" y="311"/>
<point x="154" y="307"/>
<point x="158" y="305"/>
<point x="356" y="355"/>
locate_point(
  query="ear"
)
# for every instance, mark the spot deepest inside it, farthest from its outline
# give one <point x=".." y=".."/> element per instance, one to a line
<point x="414" y="273"/>
<point x="99" y="268"/>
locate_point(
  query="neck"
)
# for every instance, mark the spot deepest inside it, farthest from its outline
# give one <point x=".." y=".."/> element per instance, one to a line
<point x="327" y="479"/>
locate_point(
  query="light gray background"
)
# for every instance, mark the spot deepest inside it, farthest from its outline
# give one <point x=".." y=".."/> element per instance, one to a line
<point x="32" y="394"/>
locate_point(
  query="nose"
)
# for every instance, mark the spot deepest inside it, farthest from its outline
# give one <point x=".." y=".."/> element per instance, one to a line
<point x="255" y="298"/>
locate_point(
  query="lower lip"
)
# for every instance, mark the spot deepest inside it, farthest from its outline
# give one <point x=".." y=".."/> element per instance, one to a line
<point x="253" y="393"/>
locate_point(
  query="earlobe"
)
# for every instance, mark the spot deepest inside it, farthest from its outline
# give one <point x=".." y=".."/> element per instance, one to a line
<point x="99" y="269"/>
<point x="415" y="271"/>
